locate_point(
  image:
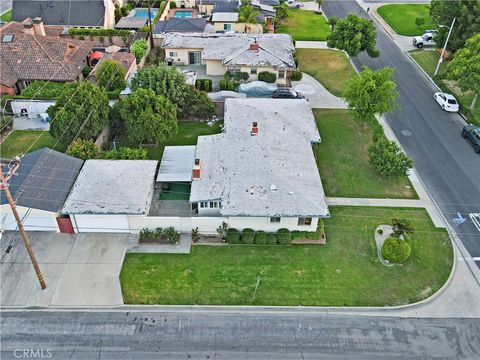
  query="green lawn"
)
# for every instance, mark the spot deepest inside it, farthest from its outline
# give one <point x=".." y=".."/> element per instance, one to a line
<point x="20" y="140"/>
<point x="7" y="17"/>
<point x="176" y="192"/>
<point x="342" y="159"/>
<point x="329" y="67"/>
<point x="401" y="18"/>
<point x="344" y="272"/>
<point x="304" y="25"/>
<point x="428" y="59"/>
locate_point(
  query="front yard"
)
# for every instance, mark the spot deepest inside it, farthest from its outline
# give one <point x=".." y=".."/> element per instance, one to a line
<point x="304" y="25"/>
<point x="20" y="140"/>
<point x="428" y="59"/>
<point x="344" y="272"/>
<point x="342" y="159"/>
<point x="401" y="18"/>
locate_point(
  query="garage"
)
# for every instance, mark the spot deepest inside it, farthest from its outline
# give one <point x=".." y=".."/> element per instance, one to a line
<point x="100" y="223"/>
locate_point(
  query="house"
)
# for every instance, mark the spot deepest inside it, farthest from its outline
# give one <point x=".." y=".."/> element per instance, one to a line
<point x="87" y="13"/>
<point x="109" y="194"/>
<point x="265" y="7"/>
<point x="228" y="21"/>
<point x="178" y="25"/>
<point x="233" y="52"/>
<point x="127" y="60"/>
<point x="39" y="188"/>
<point x="32" y="51"/>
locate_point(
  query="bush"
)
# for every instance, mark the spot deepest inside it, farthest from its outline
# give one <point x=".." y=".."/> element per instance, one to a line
<point x="195" y="234"/>
<point x="396" y="250"/>
<point x="231" y="86"/>
<point x="98" y="32"/>
<point x="139" y="48"/>
<point x="43" y="90"/>
<point x="380" y="231"/>
<point x="284" y="237"/>
<point x="203" y="84"/>
<point x="296" y="75"/>
<point x="111" y="75"/>
<point x="83" y="149"/>
<point x="389" y="160"/>
<point x="261" y="238"/>
<point x="171" y="235"/>
<point x="248" y="236"/>
<point x="239" y="75"/>
<point x="222" y="230"/>
<point x="125" y="153"/>
<point x="267" y="76"/>
<point x="86" y="71"/>
<point x="198" y="105"/>
<point x="233" y="236"/>
<point x="272" y="239"/>
<point x="223" y="84"/>
<point x="168" y="235"/>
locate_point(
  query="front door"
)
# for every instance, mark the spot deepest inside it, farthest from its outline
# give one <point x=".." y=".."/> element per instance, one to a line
<point x="194" y="58"/>
<point x="65" y="224"/>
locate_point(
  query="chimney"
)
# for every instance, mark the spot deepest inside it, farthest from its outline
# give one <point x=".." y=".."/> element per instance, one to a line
<point x="254" y="128"/>
<point x="196" y="169"/>
<point x="254" y="47"/>
<point x="38" y="27"/>
<point x="28" y="27"/>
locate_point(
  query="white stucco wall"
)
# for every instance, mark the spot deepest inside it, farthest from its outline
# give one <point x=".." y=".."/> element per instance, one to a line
<point x="238" y="27"/>
<point x="215" y="67"/>
<point x="109" y="18"/>
<point x="36" y="220"/>
<point x="100" y="223"/>
<point x="182" y="54"/>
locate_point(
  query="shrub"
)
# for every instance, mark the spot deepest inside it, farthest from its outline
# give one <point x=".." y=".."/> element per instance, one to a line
<point x="207" y="85"/>
<point x="222" y="230"/>
<point x="195" y="234"/>
<point x="272" y="239"/>
<point x="380" y="231"/>
<point x="43" y="90"/>
<point x="233" y="236"/>
<point x="86" y="71"/>
<point x="198" y="105"/>
<point x="396" y="250"/>
<point x="402" y="227"/>
<point x="284" y="236"/>
<point x="261" y="238"/>
<point x="139" y="48"/>
<point x="111" y="75"/>
<point x="239" y="75"/>
<point x="171" y="235"/>
<point x="296" y="75"/>
<point x="231" y="86"/>
<point x="98" y="32"/>
<point x="83" y="149"/>
<point x="223" y="84"/>
<point x="248" y="236"/>
<point x="389" y="160"/>
<point x="267" y="76"/>
<point x="419" y="21"/>
<point x="125" y="153"/>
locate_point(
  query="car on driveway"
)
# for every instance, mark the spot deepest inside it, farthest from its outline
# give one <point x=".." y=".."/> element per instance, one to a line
<point x="287" y="93"/>
<point x="424" y="40"/>
<point x="446" y="101"/>
<point x="294" y="4"/>
<point x="472" y="133"/>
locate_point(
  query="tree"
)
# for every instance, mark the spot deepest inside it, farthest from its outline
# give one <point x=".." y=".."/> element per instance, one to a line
<point x="332" y="21"/>
<point x="139" y="48"/>
<point x="354" y="34"/>
<point x="389" y="160"/>
<point x="83" y="149"/>
<point x="148" y="117"/>
<point x="199" y="105"/>
<point x="402" y="227"/>
<point x="111" y="75"/>
<point x="80" y="111"/>
<point x="165" y="81"/>
<point x="281" y="11"/>
<point x="371" y="92"/>
<point x="467" y="24"/>
<point x="465" y="67"/>
<point x="319" y="3"/>
<point x="247" y="14"/>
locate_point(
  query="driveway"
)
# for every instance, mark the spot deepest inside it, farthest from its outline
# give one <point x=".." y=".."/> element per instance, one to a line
<point x="317" y="95"/>
<point x="79" y="269"/>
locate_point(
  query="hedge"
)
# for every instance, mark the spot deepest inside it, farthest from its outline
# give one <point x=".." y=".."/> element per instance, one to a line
<point x="98" y="32"/>
<point x="396" y="250"/>
<point x="233" y="236"/>
<point x="272" y="239"/>
<point x="43" y="90"/>
<point x="139" y="48"/>
<point x="267" y="76"/>
<point x="239" y="75"/>
<point x="296" y="75"/>
<point x="248" y="236"/>
<point x="204" y="84"/>
<point x="284" y="236"/>
<point x="261" y="238"/>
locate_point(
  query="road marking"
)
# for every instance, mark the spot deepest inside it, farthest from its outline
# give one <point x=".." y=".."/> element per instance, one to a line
<point x="475" y="217"/>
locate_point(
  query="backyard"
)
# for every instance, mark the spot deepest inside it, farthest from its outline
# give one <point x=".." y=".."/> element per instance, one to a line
<point x="304" y="26"/>
<point x="401" y="18"/>
<point x="329" y="67"/>
<point x="342" y="159"/>
<point x="7" y="16"/>
<point x="344" y="272"/>
<point x="20" y="141"/>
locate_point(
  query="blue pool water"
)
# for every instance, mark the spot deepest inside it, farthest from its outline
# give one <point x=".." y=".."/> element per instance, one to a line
<point x="144" y="13"/>
<point x="183" y="14"/>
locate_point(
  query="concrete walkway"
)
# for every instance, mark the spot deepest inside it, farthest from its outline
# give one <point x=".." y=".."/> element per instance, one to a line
<point x="317" y="95"/>
<point x="311" y="45"/>
<point x="183" y="247"/>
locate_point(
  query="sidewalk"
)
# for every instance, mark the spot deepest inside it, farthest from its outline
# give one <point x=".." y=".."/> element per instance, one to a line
<point x="311" y="45"/>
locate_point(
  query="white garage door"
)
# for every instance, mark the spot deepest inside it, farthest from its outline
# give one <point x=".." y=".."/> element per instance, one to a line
<point x="33" y="220"/>
<point x="101" y="223"/>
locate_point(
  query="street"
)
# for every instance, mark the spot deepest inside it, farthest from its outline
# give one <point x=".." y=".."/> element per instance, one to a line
<point x="235" y="335"/>
<point x="446" y="163"/>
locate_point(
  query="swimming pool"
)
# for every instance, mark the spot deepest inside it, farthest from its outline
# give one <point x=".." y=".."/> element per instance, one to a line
<point x="183" y="14"/>
<point x="140" y="12"/>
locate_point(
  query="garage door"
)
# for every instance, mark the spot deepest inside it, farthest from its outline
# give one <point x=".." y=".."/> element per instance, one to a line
<point x="33" y="220"/>
<point x="101" y="223"/>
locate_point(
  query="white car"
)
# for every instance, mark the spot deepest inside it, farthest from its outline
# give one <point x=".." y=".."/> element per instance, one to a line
<point x="294" y="4"/>
<point x="446" y="101"/>
<point x="424" y="40"/>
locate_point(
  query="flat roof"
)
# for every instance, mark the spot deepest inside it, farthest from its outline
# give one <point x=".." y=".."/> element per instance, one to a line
<point x="112" y="187"/>
<point x="131" y="22"/>
<point x="177" y="164"/>
<point x="225" y="17"/>
<point x="273" y="173"/>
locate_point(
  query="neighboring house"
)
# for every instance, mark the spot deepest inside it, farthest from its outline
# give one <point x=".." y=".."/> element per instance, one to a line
<point x="178" y="25"/>
<point x="32" y="51"/>
<point x="78" y="13"/>
<point x="266" y="7"/>
<point x="109" y="194"/>
<point x="39" y="188"/>
<point x="127" y="60"/>
<point x="228" y="21"/>
<point x="233" y="52"/>
<point x="186" y="3"/>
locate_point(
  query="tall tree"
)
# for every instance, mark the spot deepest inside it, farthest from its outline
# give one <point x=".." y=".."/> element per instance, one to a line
<point x="148" y="117"/>
<point x="465" y="67"/>
<point x="111" y="75"/>
<point x="467" y="24"/>
<point x="354" y="34"/>
<point x="247" y="14"/>
<point x="281" y="11"/>
<point x="332" y="21"/>
<point x="371" y="92"/>
<point x="80" y="110"/>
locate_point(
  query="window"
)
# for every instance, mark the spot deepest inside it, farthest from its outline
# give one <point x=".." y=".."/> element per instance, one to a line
<point x="202" y="204"/>
<point x="274" y="220"/>
<point x="227" y="27"/>
<point x="304" y="221"/>
<point x="253" y="70"/>
<point x="173" y="54"/>
<point x="281" y="74"/>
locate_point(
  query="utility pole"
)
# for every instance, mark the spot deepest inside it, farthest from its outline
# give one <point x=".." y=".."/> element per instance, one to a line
<point x="26" y="241"/>
<point x="444" y="47"/>
<point x="150" y="22"/>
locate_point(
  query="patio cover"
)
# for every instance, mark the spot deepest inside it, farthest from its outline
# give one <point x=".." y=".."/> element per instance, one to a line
<point x="177" y="164"/>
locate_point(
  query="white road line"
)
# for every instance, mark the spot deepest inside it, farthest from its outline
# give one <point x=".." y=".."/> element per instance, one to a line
<point x="475" y="217"/>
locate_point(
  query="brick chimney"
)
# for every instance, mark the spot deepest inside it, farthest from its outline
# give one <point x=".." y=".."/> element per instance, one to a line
<point x="28" y="27"/>
<point x="254" y="128"/>
<point x="254" y="47"/>
<point x="196" y="169"/>
<point x="38" y="27"/>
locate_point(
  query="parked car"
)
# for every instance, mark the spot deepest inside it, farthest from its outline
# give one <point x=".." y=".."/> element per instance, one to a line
<point x="294" y="4"/>
<point x="286" y="93"/>
<point x="472" y="133"/>
<point x="424" y="40"/>
<point x="446" y="101"/>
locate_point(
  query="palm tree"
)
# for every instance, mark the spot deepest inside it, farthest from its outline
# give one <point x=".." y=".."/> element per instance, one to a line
<point x="319" y="2"/>
<point x="402" y="226"/>
<point x="332" y="20"/>
<point x="247" y="14"/>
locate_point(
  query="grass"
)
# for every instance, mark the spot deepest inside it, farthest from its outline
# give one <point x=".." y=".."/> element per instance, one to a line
<point x="428" y="59"/>
<point x="304" y="26"/>
<point x="329" y="67"/>
<point x="344" y="272"/>
<point x="401" y="18"/>
<point x="342" y="159"/>
<point x="7" y="16"/>
<point x="19" y="141"/>
<point x="176" y="192"/>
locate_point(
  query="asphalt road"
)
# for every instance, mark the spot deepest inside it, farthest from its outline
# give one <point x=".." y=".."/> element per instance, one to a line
<point x="445" y="162"/>
<point x="214" y="335"/>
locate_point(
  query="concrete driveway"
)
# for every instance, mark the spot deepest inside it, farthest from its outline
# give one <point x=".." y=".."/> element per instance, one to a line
<point x="79" y="269"/>
<point x="317" y="95"/>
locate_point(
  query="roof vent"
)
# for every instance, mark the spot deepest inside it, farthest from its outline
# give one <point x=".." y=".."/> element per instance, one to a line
<point x="254" y="128"/>
<point x="273" y="187"/>
<point x="196" y="169"/>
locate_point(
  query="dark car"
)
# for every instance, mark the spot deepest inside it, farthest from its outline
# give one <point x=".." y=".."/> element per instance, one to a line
<point x="286" y="93"/>
<point x="472" y="133"/>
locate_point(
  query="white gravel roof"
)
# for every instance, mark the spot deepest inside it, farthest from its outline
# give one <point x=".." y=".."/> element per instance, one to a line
<point x="225" y="17"/>
<point x="273" y="173"/>
<point x="112" y="187"/>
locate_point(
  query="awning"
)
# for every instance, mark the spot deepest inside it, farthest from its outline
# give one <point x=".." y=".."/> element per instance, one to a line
<point x="177" y="164"/>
